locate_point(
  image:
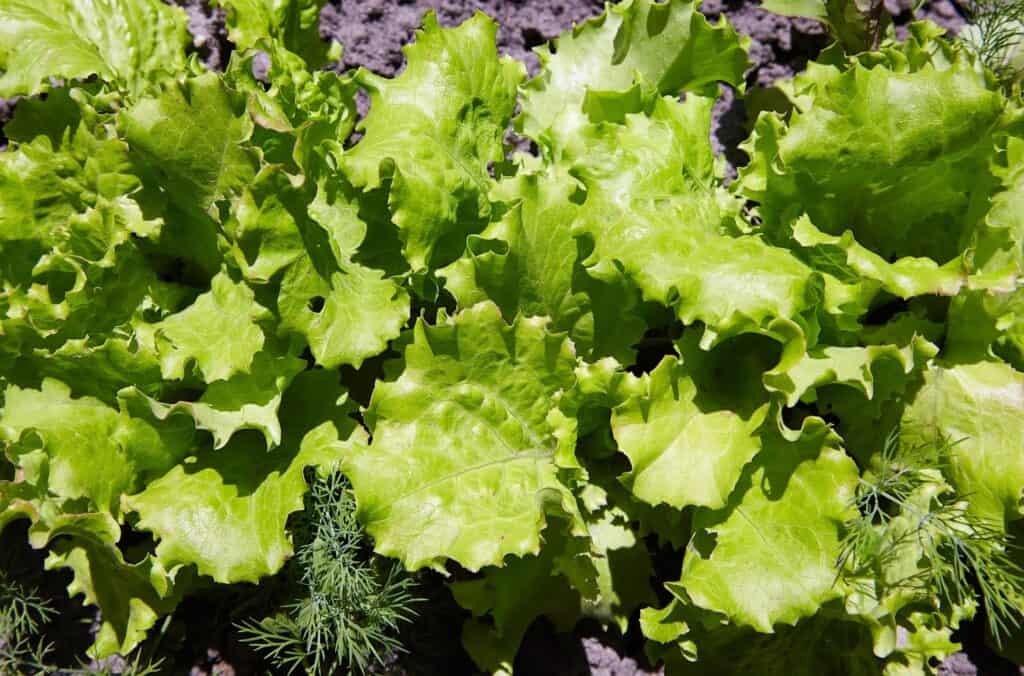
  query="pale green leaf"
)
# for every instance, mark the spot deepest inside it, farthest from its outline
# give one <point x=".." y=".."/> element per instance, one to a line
<point x="851" y="158"/>
<point x="979" y="410"/>
<point x="433" y="130"/>
<point x="654" y="205"/>
<point x="101" y="370"/>
<point x="466" y="443"/>
<point x="347" y="315"/>
<point x="668" y="46"/>
<point x="246" y="401"/>
<point x="129" y="43"/>
<point x="295" y="24"/>
<point x="82" y="448"/>
<point x="192" y="137"/>
<point x="131" y="597"/>
<point x="527" y="264"/>
<point x="681" y="451"/>
<point x="786" y="515"/>
<point x="218" y="332"/>
<point x="226" y="510"/>
<point x="876" y="371"/>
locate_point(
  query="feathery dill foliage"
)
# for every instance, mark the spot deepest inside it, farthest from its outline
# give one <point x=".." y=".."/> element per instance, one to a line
<point x="23" y="652"/>
<point x="904" y="505"/>
<point x="998" y="30"/>
<point x="352" y="603"/>
<point x="136" y="666"/>
<point x="22" y="616"/>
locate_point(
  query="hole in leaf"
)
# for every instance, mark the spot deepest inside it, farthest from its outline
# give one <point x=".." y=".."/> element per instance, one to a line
<point x="58" y="283"/>
<point x="656" y="344"/>
<point x="316" y="304"/>
<point x="704" y="543"/>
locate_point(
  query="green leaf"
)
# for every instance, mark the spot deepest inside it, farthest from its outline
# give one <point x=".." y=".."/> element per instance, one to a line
<point x="524" y="262"/>
<point x="130" y="596"/>
<point x="307" y="113"/>
<point x="466" y="443"/>
<point x="605" y="577"/>
<point x="129" y="43"/>
<point x="514" y="596"/>
<point x="44" y="183"/>
<point x="983" y="325"/>
<point x="218" y="333"/>
<point x="681" y="451"/>
<point x="997" y="243"/>
<point x="18" y="500"/>
<point x="246" y="401"/>
<point x="906" y="277"/>
<point x="59" y="114"/>
<point x="654" y="205"/>
<point x="341" y="212"/>
<point x="192" y="137"/>
<point x="991" y="322"/>
<point x="667" y="46"/>
<point x="699" y="644"/>
<point x="876" y="371"/>
<point x="82" y="448"/>
<point x="101" y="370"/>
<point x="433" y="130"/>
<point x="850" y="157"/>
<point x="263" y="230"/>
<point x="70" y="233"/>
<point x="730" y="376"/>
<point x="346" y="317"/>
<point x="619" y="557"/>
<point x="785" y="514"/>
<point x="226" y="510"/>
<point x="977" y="408"/>
<point x="295" y="24"/>
<point x="527" y="264"/>
<point x="856" y="24"/>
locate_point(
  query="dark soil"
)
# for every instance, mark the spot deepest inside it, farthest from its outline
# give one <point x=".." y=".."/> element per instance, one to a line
<point x="209" y="36"/>
<point x="372" y="32"/>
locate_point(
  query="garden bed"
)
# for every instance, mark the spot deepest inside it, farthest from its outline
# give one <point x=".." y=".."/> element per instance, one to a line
<point x="200" y="635"/>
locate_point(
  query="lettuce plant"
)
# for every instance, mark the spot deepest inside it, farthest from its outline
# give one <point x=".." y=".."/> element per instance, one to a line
<point x="213" y="283"/>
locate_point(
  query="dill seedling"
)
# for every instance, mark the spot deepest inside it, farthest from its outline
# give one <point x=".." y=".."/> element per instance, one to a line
<point x="995" y="33"/>
<point x="351" y="604"/>
<point x="23" y="652"/>
<point x="23" y="614"/>
<point x="905" y="502"/>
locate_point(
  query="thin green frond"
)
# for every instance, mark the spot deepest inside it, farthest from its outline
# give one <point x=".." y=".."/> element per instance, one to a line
<point x="278" y="638"/>
<point x="351" y="604"/>
<point x="904" y="505"/>
<point x="995" y="34"/>
<point x="23" y="614"/>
